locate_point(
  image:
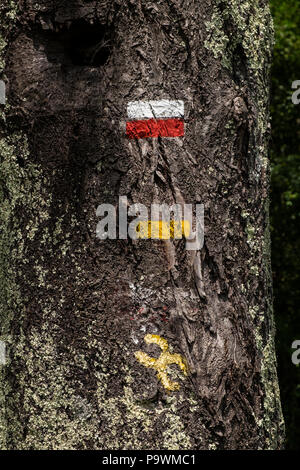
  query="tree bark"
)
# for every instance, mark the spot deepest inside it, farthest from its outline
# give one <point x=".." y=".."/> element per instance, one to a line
<point x="75" y="309"/>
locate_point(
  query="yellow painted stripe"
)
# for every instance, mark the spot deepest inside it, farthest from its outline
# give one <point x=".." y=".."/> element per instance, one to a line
<point x="159" y="229"/>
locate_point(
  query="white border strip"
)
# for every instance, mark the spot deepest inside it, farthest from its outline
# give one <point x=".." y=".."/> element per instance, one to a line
<point x="155" y="109"/>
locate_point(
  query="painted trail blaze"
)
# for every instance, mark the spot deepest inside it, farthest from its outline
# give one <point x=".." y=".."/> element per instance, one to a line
<point x="150" y="119"/>
<point x="161" y="364"/>
<point x="158" y="229"/>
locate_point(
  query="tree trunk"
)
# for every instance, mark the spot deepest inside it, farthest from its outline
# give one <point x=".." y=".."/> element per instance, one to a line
<point x="76" y="310"/>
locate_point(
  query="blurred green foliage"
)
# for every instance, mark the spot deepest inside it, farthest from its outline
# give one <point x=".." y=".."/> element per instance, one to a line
<point x="285" y="206"/>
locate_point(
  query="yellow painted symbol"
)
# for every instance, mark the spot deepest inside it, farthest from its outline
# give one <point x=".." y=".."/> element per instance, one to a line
<point x="159" y="229"/>
<point x="164" y="360"/>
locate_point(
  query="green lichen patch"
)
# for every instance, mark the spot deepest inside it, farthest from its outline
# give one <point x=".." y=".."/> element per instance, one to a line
<point x="241" y="32"/>
<point x="245" y="23"/>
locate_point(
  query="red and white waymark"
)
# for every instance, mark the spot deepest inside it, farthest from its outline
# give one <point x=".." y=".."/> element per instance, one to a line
<point x="163" y="118"/>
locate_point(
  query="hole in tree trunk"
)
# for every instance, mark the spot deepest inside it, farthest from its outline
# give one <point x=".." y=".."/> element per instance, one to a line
<point x="88" y="45"/>
<point x="81" y="44"/>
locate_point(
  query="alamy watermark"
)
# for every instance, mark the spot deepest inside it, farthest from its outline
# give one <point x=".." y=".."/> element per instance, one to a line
<point x="2" y="92"/>
<point x="296" y="354"/>
<point x="165" y="222"/>
<point x="296" y="94"/>
<point x="2" y="353"/>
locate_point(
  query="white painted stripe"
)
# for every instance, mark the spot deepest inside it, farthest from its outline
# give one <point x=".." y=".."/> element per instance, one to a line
<point x="2" y="353"/>
<point x="155" y="109"/>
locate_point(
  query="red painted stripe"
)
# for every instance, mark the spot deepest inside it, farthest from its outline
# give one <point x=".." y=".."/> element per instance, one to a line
<point x="143" y="129"/>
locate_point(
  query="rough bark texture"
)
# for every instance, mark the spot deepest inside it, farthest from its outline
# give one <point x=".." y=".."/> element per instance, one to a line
<point x="75" y="309"/>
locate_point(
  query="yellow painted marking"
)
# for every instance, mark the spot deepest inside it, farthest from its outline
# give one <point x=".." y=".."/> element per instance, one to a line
<point x="164" y="360"/>
<point x="159" y="229"/>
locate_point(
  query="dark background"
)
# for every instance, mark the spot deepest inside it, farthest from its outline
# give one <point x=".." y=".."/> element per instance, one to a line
<point x="285" y="207"/>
